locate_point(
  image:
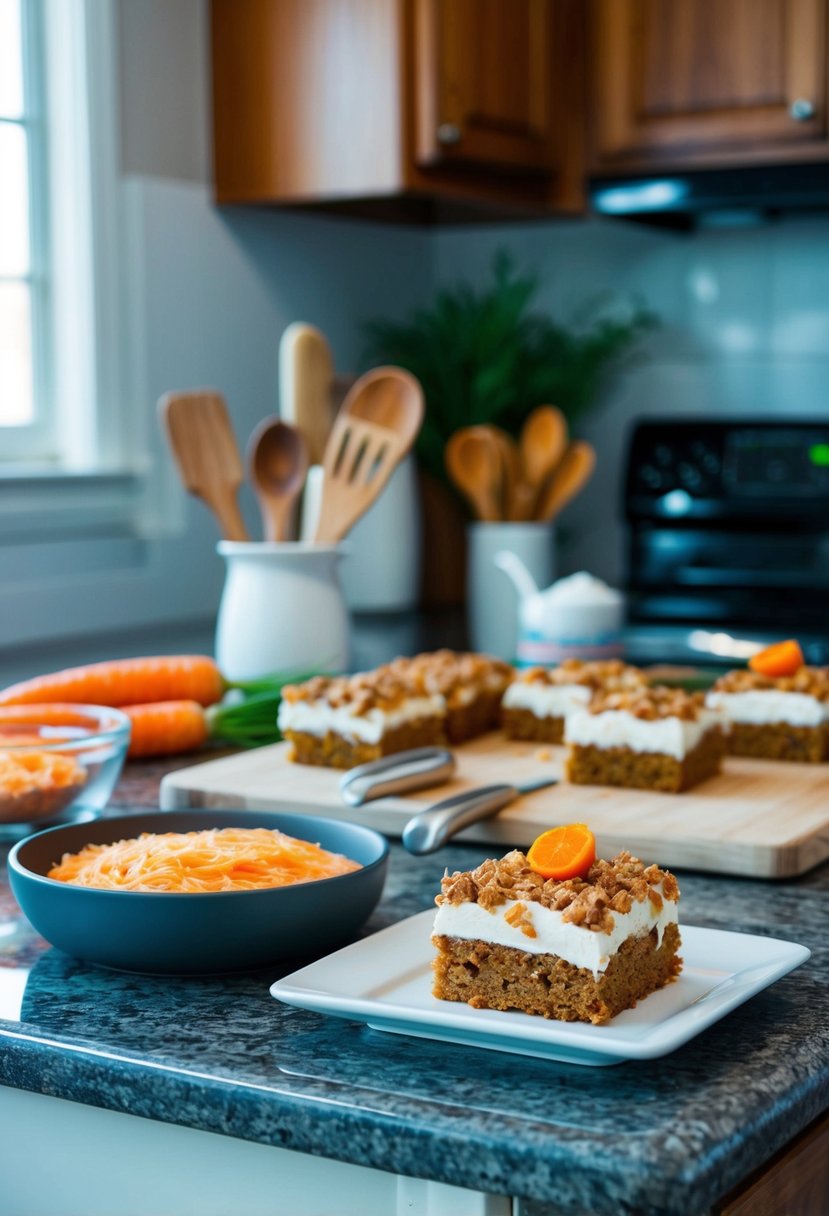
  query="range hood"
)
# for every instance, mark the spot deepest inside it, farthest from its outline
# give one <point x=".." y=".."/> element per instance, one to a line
<point x="716" y="196"/>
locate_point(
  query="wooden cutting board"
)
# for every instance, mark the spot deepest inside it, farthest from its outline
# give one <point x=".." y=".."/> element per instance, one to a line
<point x="758" y="818"/>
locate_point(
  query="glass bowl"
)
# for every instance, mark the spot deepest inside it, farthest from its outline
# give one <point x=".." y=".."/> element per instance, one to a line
<point x="58" y="761"/>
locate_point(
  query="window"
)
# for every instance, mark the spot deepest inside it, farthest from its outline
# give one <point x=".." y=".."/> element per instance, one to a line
<point x="24" y="399"/>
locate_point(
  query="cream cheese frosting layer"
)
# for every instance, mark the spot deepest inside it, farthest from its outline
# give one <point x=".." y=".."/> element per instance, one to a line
<point x="766" y="706"/>
<point x="554" y="935"/>
<point x="318" y="718"/>
<point x="547" y="700"/>
<point x="662" y="736"/>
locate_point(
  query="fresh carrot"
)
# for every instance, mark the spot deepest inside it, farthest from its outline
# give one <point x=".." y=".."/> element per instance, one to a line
<point x="46" y="715"/>
<point x="121" y="682"/>
<point x="161" y="725"/>
<point x="564" y="852"/>
<point x="164" y="728"/>
<point x="780" y="659"/>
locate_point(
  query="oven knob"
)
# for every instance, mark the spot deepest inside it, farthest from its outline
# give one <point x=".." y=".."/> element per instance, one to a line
<point x="689" y="476"/>
<point x="650" y="477"/>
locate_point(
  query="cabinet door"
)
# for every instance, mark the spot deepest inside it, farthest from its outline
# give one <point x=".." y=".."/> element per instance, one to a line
<point x="482" y="82"/>
<point x="695" y="80"/>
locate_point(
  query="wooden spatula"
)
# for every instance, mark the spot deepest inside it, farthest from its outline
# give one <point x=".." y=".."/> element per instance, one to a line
<point x="375" y="428"/>
<point x="570" y="477"/>
<point x="201" y="437"/>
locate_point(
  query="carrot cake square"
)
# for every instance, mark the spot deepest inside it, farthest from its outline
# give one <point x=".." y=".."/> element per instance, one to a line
<point x="471" y="685"/>
<point x="579" y="950"/>
<point x="344" y="721"/>
<point x="654" y="738"/>
<point x="539" y="699"/>
<point x="775" y="718"/>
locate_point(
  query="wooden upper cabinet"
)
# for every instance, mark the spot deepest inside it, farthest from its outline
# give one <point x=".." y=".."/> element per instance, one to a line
<point x="358" y="103"/>
<point x="706" y="81"/>
<point x="483" y="83"/>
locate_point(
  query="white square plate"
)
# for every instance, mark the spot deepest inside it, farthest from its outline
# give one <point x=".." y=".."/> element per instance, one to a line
<point x="385" y="981"/>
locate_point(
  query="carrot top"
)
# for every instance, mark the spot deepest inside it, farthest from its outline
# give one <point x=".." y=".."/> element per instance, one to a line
<point x="781" y="659"/>
<point x="563" y="852"/>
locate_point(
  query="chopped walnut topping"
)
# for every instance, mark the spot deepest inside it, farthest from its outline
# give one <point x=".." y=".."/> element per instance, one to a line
<point x="599" y="674"/>
<point x="380" y="689"/>
<point x="610" y="886"/>
<point x="519" y="918"/>
<point x="813" y="681"/>
<point x="651" y="703"/>
<point x="453" y="675"/>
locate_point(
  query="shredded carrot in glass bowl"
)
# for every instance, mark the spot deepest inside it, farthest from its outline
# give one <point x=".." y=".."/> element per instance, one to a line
<point x="58" y="761"/>
<point x="36" y="784"/>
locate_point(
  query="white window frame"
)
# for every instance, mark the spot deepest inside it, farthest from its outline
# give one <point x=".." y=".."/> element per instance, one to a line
<point x="34" y="440"/>
<point x="99" y="442"/>
<point x="100" y="543"/>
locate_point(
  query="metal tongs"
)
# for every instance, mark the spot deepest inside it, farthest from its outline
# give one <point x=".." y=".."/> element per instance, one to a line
<point x="429" y="829"/>
<point x="398" y="774"/>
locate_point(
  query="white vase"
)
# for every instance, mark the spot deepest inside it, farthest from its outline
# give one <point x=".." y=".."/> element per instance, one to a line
<point x="492" y="599"/>
<point x="282" y="610"/>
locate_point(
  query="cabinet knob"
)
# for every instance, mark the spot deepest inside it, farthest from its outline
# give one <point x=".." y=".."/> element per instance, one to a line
<point x="448" y="133"/>
<point x="802" y="110"/>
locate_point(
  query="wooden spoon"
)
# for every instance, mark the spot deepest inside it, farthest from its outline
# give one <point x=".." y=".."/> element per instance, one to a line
<point x="204" y="447"/>
<point x="377" y="424"/>
<point x="543" y="444"/>
<point x="570" y="477"/>
<point x="473" y="461"/>
<point x="278" y="464"/>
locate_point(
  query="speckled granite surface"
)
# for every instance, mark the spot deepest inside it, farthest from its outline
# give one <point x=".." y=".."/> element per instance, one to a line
<point x="668" y="1136"/>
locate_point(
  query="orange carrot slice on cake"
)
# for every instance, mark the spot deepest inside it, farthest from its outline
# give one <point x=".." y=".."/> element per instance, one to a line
<point x="564" y="852"/>
<point x="781" y="659"/>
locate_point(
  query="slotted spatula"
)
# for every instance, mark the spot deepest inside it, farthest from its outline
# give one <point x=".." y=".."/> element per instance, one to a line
<point x="201" y="437"/>
<point x="375" y="428"/>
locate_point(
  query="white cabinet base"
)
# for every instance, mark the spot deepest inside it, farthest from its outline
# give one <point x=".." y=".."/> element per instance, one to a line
<point x="59" y="1157"/>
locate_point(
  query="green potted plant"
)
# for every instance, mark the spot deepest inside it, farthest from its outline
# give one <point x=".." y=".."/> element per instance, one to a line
<point x="491" y="356"/>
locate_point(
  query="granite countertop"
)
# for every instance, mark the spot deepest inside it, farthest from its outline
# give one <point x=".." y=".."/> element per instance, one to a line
<point x="666" y="1136"/>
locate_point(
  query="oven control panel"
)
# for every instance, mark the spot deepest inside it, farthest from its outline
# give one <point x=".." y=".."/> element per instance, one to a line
<point x="705" y="468"/>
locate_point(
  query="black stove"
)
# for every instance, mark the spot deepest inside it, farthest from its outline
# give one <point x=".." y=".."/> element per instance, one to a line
<point x="728" y="537"/>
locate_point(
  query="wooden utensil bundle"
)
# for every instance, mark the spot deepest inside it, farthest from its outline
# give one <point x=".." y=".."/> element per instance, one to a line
<point x="376" y="426"/>
<point x="532" y="479"/>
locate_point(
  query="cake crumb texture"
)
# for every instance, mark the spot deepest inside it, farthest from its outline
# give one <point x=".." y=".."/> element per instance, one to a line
<point x="487" y="976"/>
<point x="622" y="766"/>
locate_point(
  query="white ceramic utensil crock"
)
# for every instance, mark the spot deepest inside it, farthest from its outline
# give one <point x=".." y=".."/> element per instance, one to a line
<point x="282" y="610"/>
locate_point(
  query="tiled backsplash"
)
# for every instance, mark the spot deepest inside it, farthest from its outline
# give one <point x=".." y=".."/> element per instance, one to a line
<point x="744" y="331"/>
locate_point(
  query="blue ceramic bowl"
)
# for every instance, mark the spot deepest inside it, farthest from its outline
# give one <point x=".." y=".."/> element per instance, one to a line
<point x="188" y="933"/>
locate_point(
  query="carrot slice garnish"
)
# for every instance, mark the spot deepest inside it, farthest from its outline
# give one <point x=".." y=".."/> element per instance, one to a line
<point x="781" y="659"/>
<point x="565" y="852"/>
